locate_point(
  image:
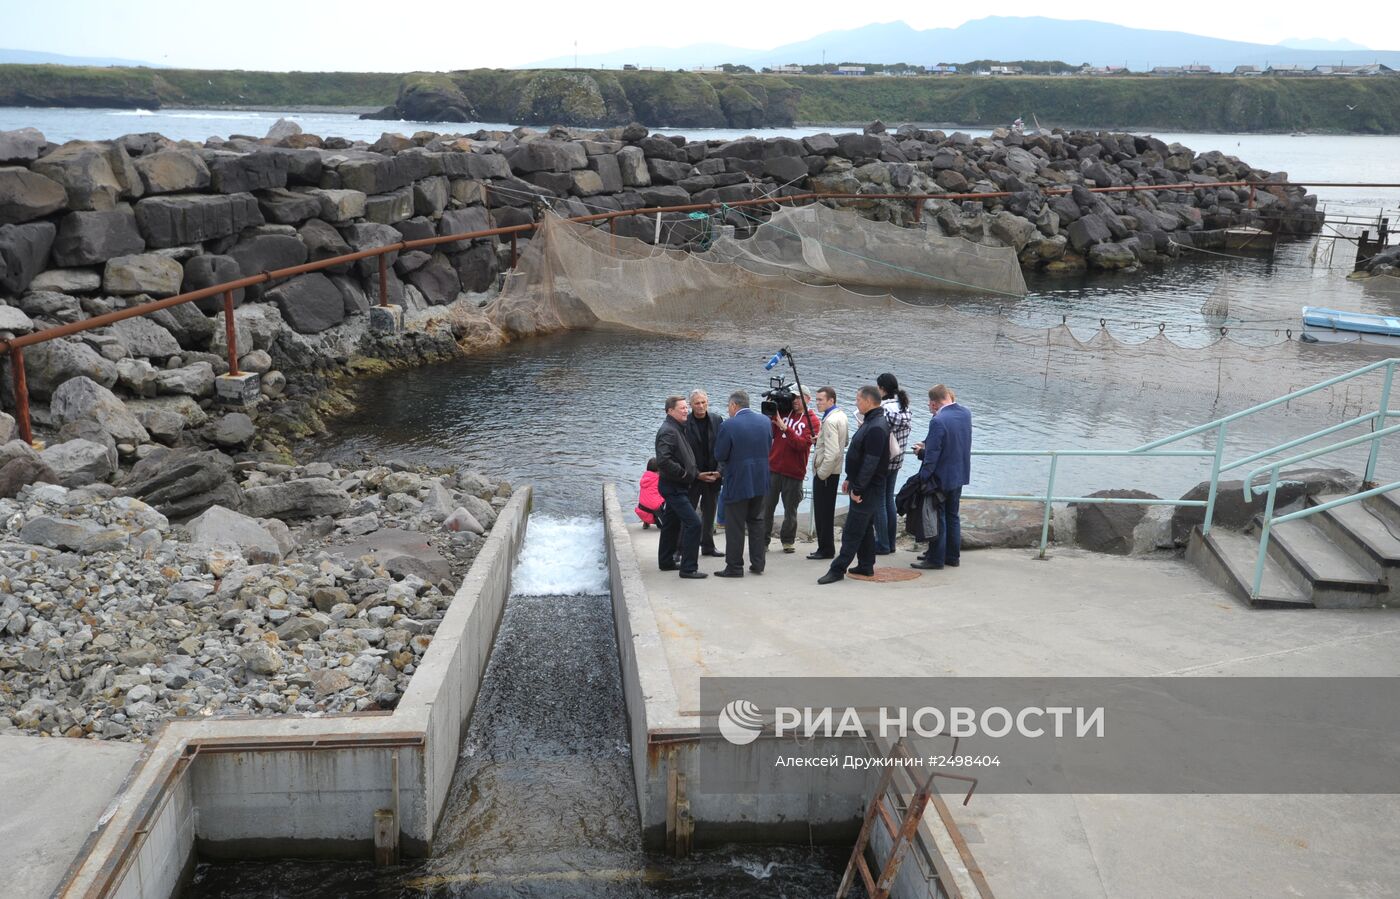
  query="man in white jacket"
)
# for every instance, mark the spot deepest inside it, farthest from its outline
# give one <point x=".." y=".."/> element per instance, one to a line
<point x="826" y="468"/>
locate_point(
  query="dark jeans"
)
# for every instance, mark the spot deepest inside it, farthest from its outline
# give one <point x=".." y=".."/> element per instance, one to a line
<point x="790" y="491"/>
<point x="887" y="519"/>
<point x="705" y="498"/>
<point x="947" y="546"/>
<point x="744" y="515"/>
<point x="858" y="534"/>
<point x="824" y="512"/>
<point x="680" y="526"/>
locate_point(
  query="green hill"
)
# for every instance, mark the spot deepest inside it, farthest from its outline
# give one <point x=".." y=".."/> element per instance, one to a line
<point x="690" y="100"/>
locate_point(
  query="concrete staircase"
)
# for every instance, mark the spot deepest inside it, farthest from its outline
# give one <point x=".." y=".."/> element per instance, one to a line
<point x="1343" y="558"/>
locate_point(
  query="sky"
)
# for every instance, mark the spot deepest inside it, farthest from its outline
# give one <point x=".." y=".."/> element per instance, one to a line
<point x="366" y="35"/>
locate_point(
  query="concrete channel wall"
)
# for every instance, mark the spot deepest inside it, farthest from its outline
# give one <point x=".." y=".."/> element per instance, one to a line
<point x="307" y="787"/>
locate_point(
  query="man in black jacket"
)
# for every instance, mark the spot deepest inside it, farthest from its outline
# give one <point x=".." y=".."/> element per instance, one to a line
<point x="701" y="429"/>
<point x="677" y="469"/>
<point x="867" y="466"/>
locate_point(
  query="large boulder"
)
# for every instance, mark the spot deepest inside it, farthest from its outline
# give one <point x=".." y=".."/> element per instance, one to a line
<point x="87" y="238"/>
<point x="632" y="165"/>
<point x="339" y="205"/>
<point x="547" y="156"/>
<point x="79" y="462"/>
<point x="374" y="173"/>
<point x="368" y="236"/>
<point x="172" y="171"/>
<point x="324" y="242"/>
<point x="67" y="280"/>
<point x="1232" y="510"/>
<point x="22" y="145"/>
<point x="26" y="195"/>
<point x="994" y="523"/>
<point x="391" y="207"/>
<point x="196" y="380"/>
<point x="310" y="303"/>
<point x="477" y="267"/>
<point x="267" y="252"/>
<point x="143" y="337"/>
<point x="85" y="171"/>
<point x="52" y="363"/>
<point x="1088" y="231"/>
<point x="190" y="327"/>
<point x="186" y="219"/>
<point x="15" y="321"/>
<point x="288" y="207"/>
<point x="430" y="196"/>
<point x="82" y="399"/>
<point x="20" y="466"/>
<point x="184" y="482"/>
<point x="462" y="221"/>
<point x="1112" y="256"/>
<point x="24" y="250"/>
<point x="150" y="274"/>
<point x="219" y="527"/>
<point x="1109" y="527"/>
<point x="304" y="498"/>
<point x="233" y="173"/>
<point x="438" y="282"/>
<point x="52" y="307"/>
<point x="233" y="431"/>
<point x="208" y="270"/>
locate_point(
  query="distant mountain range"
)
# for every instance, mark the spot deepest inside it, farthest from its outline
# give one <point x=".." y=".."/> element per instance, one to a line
<point x="997" y="37"/>
<point x="36" y="57"/>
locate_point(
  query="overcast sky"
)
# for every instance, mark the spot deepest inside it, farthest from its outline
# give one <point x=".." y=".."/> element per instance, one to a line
<point x="375" y="35"/>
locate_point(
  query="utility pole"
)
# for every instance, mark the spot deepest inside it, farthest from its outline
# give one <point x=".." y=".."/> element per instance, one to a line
<point x="576" y="54"/>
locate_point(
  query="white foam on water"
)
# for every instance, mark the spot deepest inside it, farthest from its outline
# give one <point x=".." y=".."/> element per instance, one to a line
<point x="562" y="557"/>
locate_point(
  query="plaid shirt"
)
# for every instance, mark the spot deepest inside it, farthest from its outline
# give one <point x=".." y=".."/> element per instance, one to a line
<point x="900" y="422"/>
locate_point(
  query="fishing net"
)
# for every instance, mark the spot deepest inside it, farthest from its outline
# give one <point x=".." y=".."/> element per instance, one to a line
<point x="775" y="285"/>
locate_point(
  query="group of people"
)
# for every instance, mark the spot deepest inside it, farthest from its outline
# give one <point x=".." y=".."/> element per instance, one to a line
<point x="736" y="470"/>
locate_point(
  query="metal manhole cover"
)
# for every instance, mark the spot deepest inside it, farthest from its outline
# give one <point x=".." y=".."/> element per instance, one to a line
<point x="887" y="575"/>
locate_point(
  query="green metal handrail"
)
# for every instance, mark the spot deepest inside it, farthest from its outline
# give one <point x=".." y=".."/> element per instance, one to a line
<point x="1221" y="427"/>
<point x="1374" y="438"/>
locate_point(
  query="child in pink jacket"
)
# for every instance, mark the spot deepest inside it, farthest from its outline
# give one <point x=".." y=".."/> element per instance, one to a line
<point x="650" y="502"/>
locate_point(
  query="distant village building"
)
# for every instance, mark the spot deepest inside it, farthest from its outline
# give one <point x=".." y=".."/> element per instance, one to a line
<point x="1288" y="71"/>
<point x="1196" y="70"/>
<point x="850" y="70"/>
<point x="1245" y="70"/>
<point x="1167" y="70"/>
<point x="1101" y="70"/>
<point x="707" y="70"/>
<point x="1005" y="70"/>
<point x="943" y="69"/>
<point x="1354" y="71"/>
<point x="789" y="69"/>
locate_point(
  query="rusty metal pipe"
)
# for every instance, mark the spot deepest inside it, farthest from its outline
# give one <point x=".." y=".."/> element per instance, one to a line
<point x="21" y="395"/>
<point x="383" y="280"/>
<point x="230" y="334"/>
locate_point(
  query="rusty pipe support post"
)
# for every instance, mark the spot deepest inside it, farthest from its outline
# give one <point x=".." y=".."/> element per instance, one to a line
<point x="26" y="433"/>
<point x="230" y="334"/>
<point x="512" y="251"/>
<point x="918" y="210"/>
<point x="383" y="280"/>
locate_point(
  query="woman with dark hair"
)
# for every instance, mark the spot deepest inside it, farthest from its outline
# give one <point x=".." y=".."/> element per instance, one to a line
<point x="895" y="402"/>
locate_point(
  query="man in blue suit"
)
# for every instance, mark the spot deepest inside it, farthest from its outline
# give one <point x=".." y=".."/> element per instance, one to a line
<point x="742" y="452"/>
<point x="947" y="465"/>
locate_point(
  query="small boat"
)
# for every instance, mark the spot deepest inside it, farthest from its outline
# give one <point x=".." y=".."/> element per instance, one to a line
<point x="1318" y="318"/>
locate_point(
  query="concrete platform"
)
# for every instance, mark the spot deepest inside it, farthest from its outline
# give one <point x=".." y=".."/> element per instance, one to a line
<point x="1003" y="613"/>
<point x="52" y="794"/>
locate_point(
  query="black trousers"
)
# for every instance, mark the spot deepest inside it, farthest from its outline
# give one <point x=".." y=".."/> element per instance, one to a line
<point x="858" y="534"/>
<point x="824" y="512"/>
<point x="741" y="517"/>
<point x="705" y="498"/>
<point x="681" y="526"/>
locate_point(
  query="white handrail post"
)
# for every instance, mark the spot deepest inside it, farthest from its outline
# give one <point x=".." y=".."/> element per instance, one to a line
<point x="1049" y="498"/>
<point x="1214" y="478"/>
<point x="1264" y="536"/>
<point x="1378" y="423"/>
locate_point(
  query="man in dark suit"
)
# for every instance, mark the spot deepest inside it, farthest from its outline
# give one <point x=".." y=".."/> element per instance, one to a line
<point x="867" y="466"/>
<point x="947" y="466"/>
<point x="676" y="466"/>
<point x="742" y="451"/>
<point x="702" y="430"/>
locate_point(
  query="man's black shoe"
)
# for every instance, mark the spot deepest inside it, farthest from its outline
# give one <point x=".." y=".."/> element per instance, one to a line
<point x="694" y="575"/>
<point x="831" y="577"/>
<point x="820" y="555"/>
<point x="926" y="565"/>
<point x="714" y="553"/>
<point x="725" y="572"/>
<point x="669" y="567"/>
<point x="755" y="570"/>
<point x="863" y="572"/>
<point x="952" y="564"/>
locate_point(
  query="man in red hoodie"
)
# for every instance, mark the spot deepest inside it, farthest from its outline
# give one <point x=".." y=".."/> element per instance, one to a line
<point x="793" y="436"/>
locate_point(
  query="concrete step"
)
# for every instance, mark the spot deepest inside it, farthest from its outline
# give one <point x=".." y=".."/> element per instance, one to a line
<point x="1387" y="505"/>
<point x="1325" y="571"/>
<point x="1364" y="534"/>
<point x="1227" y="558"/>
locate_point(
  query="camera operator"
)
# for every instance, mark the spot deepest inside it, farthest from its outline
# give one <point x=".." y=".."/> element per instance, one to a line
<point x="701" y="430"/>
<point x="794" y="432"/>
